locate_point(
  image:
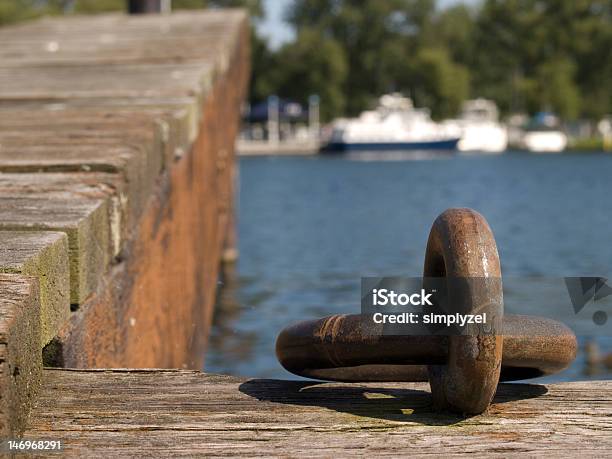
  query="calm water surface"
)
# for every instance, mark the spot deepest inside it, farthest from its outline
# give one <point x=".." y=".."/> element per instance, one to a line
<point x="310" y="228"/>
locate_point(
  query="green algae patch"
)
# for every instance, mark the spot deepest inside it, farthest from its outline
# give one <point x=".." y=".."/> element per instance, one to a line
<point x="85" y="222"/>
<point x="43" y="255"/>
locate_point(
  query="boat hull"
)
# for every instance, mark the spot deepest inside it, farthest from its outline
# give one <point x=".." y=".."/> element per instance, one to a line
<point x="340" y="147"/>
<point x="545" y="141"/>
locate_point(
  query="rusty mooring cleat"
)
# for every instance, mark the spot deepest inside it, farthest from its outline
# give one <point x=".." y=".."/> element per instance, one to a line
<point x="463" y="371"/>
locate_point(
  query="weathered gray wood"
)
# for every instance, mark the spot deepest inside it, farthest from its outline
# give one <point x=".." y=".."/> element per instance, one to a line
<point x="130" y="150"/>
<point x="92" y="110"/>
<point x="180" y="23"/>
<point x="43" y="255"/>
<point x="181" y="113"/>
<point x="161" y="128"/>
<point x="126" y="413"/>
<point x="20" y="356"/>
<point x="104" y="96"/>
<point x="123" y="206"/>
<point x="133" y="179"/>
<point x="184" y="36"/>
<point x="85" y="221"/>
<point x="132" y="146"/>
<point x="152" y="81"/>
<point x="140" y="133"/>
<point x="162" y="61"/>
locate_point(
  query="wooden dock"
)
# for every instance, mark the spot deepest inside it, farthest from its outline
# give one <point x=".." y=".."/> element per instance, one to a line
<point x="130" y="413"/>
<point x="117" y="179"/>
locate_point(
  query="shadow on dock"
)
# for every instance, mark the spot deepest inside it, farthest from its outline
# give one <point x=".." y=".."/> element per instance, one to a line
<point x="389" y="403"/>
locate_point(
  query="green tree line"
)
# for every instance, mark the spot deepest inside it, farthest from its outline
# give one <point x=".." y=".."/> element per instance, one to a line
<point x="526" y="55"/>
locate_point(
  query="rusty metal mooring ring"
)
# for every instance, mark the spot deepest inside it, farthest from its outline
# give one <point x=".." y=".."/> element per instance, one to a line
<point x="333" y="348"/>
<point x="461" y="245"/>
<point x="463" y="371"/>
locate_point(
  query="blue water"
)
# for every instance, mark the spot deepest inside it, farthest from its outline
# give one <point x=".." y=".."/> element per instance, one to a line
<point x="311" y="227"/>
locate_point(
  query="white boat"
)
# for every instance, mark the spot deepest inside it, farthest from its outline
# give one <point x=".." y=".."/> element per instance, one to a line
<point x="543" y="135"/>
<point x="479" y="127"/>
<point x="540" y="141"/>
<point x="394" y="125"/>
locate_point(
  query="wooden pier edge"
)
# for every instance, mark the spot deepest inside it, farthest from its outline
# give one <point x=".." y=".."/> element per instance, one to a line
<point x="117" y="178"/>
<point x="127" y="413"/>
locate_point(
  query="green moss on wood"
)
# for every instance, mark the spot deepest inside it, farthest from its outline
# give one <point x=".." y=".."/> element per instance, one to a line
<point x="43" y="255"/>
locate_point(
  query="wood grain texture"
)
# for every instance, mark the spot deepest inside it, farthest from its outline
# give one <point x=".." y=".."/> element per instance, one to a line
<point x="109" y="94"/>
<point x="123" y="205"/>
<point x="118" y="56"/>
<point x="130" y="143"/>
<point x="20" y="357"/>
<point x="119" y="132"/>
<point x="125" y="413"/>
<point x="155" y="128"/>
<point x="43" y="255"/>
<point x="85" y="221"/>
<point x="119" y="39"/>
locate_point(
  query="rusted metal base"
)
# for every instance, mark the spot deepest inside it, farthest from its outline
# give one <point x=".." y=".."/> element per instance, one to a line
<point x="463" y="371"/>
<point x="332" y="348"/>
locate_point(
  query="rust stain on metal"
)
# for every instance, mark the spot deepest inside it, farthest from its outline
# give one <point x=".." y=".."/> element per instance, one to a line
<point x="463" y="371"/>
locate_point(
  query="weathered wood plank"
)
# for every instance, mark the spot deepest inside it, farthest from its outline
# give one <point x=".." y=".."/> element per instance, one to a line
<point x="180" y="23"/>
<point x="85" y="221"/>
<point x="174" y="121"/>
<point x="123" y="205"/>
<point x="147" y="133"/>
<point x="122" y="170"/>
<point x="20" y="355"/>
<point x="129" y="144"/>
<point x="182" y="37"/>
<point x="43" y="255"/>
<point x="118" y="57"/>
<point x="119" y="413"/>
<point x="129" y="113"/>
<point x="151" y="81"/>
<point x="182" y="113"/>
